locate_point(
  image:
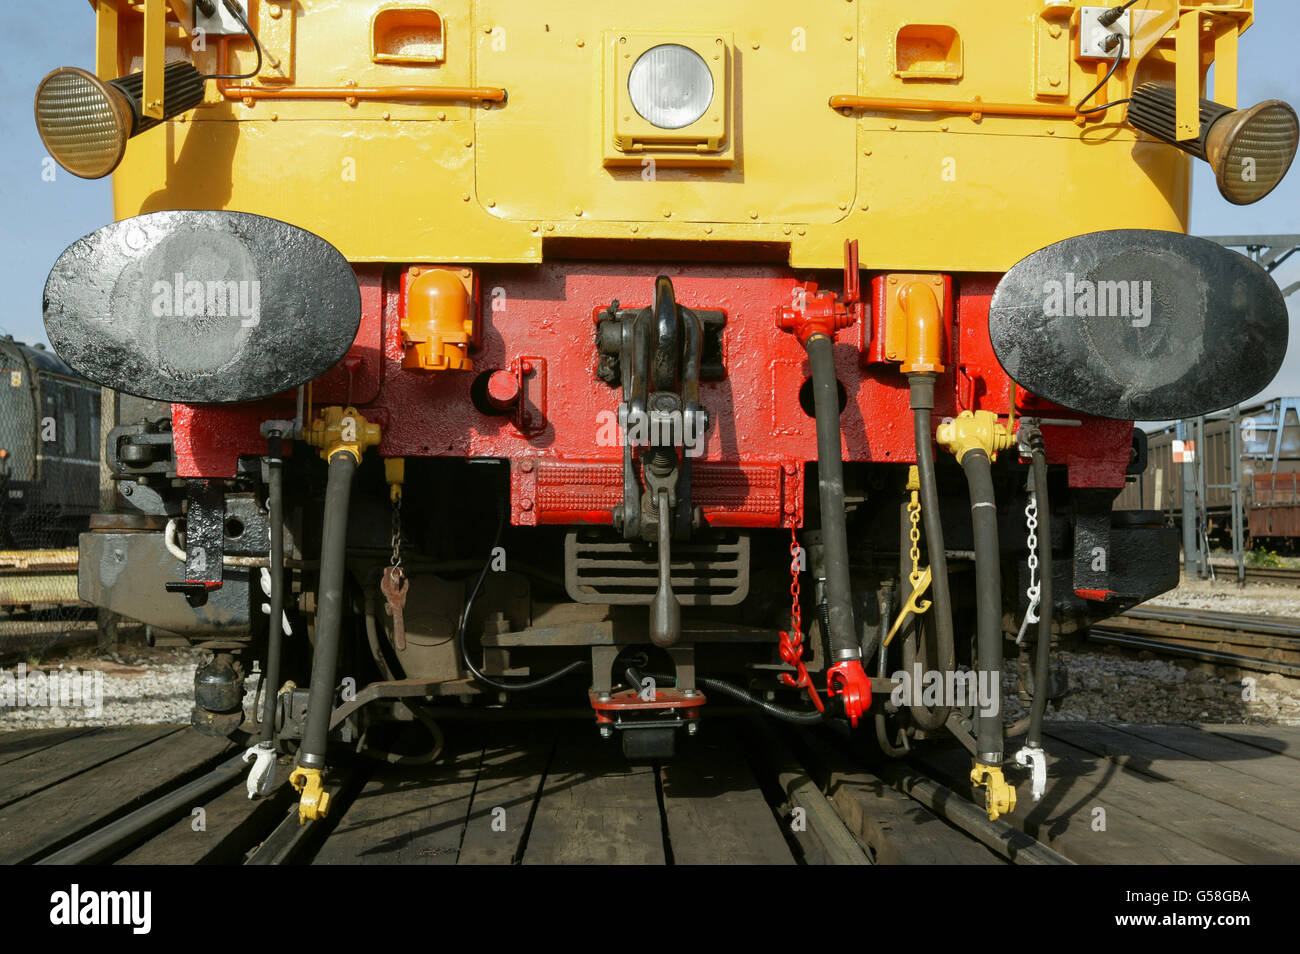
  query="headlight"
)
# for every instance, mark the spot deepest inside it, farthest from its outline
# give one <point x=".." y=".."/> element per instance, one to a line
<point x="1250" y="150"/>
<point x="85" y="122"/>
<point x="670" y="86"/>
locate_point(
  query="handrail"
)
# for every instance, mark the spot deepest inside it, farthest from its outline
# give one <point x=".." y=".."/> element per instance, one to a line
<point x="352" y="94"/>
<point x="976" y="108"/>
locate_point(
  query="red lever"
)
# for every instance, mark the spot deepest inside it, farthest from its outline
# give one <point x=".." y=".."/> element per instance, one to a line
<point x="849" y="679"/>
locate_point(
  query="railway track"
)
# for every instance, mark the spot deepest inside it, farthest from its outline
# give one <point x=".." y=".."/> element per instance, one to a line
<point x="1273" y="574"/>
<point x="1259" y="643"/>
<point x="742" y="791"/>
<point x="549" y="793"/>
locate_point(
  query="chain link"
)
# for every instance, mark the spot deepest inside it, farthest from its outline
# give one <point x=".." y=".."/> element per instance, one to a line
<point x="396" y="560"/>
<point x="1034" y="590"/>
<point x="796" y="617"/>
<point x="914" y="515"/>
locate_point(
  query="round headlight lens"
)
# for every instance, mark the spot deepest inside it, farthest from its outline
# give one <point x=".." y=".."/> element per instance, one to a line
<point x="670" y="86"/>
<point x="83" y="121"/>
<point x="1252" y="149"/>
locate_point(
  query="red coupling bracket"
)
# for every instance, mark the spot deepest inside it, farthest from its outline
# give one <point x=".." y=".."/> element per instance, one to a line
<point x="850" y="679"/>
<point x="792" y="653"/>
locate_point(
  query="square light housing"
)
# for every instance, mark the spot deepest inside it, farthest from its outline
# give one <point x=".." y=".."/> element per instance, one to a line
<point x="681" y="67"/>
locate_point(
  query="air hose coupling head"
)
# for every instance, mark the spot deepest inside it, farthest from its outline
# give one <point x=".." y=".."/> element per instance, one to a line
<point x="849" y="679"/>
<point x="999" y="796"/>
<point x="314" y="803"/>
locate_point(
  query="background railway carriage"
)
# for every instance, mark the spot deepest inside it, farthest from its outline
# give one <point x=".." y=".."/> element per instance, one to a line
<point x="49" y="449"/>
<point x="645" y="356"/>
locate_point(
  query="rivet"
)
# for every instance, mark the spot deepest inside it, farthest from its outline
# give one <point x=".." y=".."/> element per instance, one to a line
<point x="1054" y="31"/>
<point x="491" y="203"/>
<point x="786" y="230"/>
<point x="550" y="226"/>
<point x="843" y="206"/>
<point x="274" y="117"/>
<point x="893" y="125"/>
<point x="668" y="213"/>
<point x="274" y="11"/>
<point x="415" y="270"/>
<point x="577" y="210"/>
<point x="866" y="152"/>
<point x="525" y="504"/>
<point x="581" y="42"/>
<point x="803" y="231"/>
<point x="351" y="100"/>
<point x="469" y="143"/>
<point x="636" y="228"/>
<point x="442" y="115"/>
<point x="864" y="207"/>
<point x="534" y="228"/>
<point x="754" y="45"/>
<point x="464" y="197"/>
<point x="526" y="466"/>
<point x="708" y="230"/>
<point x="1054" y="80"/>
<point x="753" y="213"/>
<point x="789" y="508"/>
<point x="487" y="28"/>
<point x="893" y="279"/>
<point x="1051" y="131"/>
<point x="789" y="468"/>
<point x="943" y="126"/>
<point x="848" y="36"/>
<point x="387" y="115"/>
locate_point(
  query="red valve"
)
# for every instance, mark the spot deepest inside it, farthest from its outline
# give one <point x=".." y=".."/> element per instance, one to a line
<point x="813" y="312"/>
<point x="849" y="678"/>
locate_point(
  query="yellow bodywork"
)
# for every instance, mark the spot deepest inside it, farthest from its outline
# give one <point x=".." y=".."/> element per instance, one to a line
<point x="469" y="180"/>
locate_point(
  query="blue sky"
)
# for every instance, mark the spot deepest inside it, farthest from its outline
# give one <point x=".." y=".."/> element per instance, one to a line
<point x="38" y="219"/>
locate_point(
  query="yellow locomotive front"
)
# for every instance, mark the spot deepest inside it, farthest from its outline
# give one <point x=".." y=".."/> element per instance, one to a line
<point x="547" y="349"/>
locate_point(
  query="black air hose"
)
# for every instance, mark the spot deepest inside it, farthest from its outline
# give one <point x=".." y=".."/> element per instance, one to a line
<point x="1042" y="655"/>
<point x="988" y="592"/>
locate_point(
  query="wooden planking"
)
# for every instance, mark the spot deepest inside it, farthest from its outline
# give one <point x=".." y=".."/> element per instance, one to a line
<point x="412" y="815"/>
<point x="715" y="811"/>
<point x="1065" y="817"/>
<point x="1229" y="753"/>
<point x="16" y="745"/>
<point x="1280" y="740"/>
<point x="595" y="807"/>
<point x="1187" y="816"/>
<point x="39" y="770"/>
<point x="232" y="823"/>
<point x="78" y="805"/>
<point x="1276" y="803"/>
<point x="515" y="760"/>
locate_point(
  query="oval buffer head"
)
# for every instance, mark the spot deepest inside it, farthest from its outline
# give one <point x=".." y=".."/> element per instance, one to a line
<point x="1139" y="325"/>
<point x="202" y="307"/>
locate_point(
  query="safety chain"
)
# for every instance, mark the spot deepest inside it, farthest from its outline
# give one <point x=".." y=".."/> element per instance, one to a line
<point x="914" y="515"/>
<point x="1034" y="590"/>
<point x="396" y="560"/>
<point x="792" y="641"/>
